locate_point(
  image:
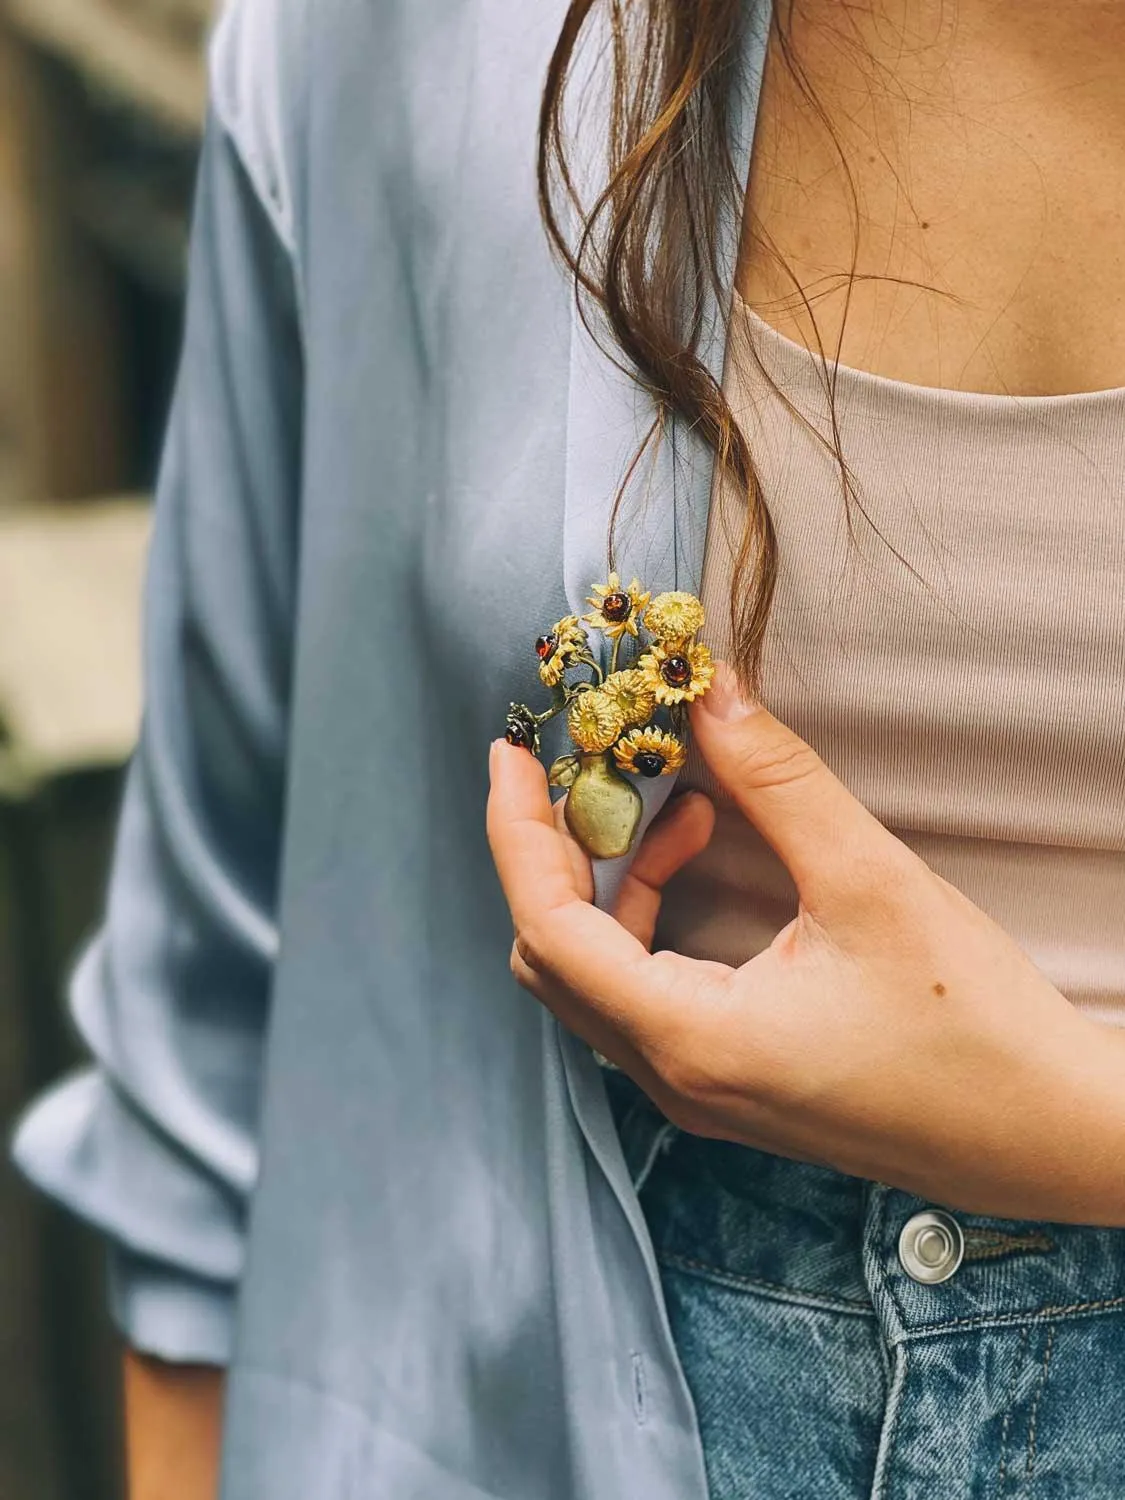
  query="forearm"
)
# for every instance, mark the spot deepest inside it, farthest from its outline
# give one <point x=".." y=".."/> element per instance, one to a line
<point x="173" y="1419"/>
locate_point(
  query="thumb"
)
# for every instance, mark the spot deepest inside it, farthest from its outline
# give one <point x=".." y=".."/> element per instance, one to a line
<point x="805" y="813"/>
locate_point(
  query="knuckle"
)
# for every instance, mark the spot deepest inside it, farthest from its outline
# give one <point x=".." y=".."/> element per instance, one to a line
<point x="686" y="1088"/>
<point x="782" y="762"/>
<point x="536" y="945"/>
<point x="676" y="1108"/>
<point x="516" y="962"/>
<point x="526" y="961"/>
<point x="525" y="952"/>
<point x="686" y="1058"/>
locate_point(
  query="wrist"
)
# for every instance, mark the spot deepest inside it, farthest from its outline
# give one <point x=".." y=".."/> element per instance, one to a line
<point x="1080" y="1140"/>
<point x="173" y="1428"/>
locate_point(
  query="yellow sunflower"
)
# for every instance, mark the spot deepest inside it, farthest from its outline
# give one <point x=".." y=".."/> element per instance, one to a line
<point x="594" y="721"/>
<point x="674" y="617"/>
<point x="649" y="752"/>
<point x="557" y="648"/>
<point x="632" y="693"/>
<point x="616" y="609"/>
<point x="678" y="673"/>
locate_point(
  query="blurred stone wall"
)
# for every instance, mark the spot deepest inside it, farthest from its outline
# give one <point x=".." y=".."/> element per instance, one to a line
<point x="100" y="108"/>
<point x="59" y="1360"/>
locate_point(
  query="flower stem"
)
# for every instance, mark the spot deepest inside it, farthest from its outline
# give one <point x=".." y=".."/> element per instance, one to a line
<point x="588" y="661"/>
<point x="561" y="701"/>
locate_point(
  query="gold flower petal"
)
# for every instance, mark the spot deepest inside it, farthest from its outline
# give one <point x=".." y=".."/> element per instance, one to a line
<point x="678" y="675"/>
<point x="612" y="585"/>
<point x="557" y="649"/>
<point x="674" y="616"/>
<point x="594" y="721"/>
<point x="625" y="607"/>
<point x="570" y="633"/>
<point x="650" y="752"/>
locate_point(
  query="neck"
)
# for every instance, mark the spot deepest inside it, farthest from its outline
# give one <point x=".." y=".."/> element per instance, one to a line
<point x="914" y="48"/>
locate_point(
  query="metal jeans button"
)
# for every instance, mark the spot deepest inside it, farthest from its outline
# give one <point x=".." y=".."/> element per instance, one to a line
<point x="931" y="1246"/>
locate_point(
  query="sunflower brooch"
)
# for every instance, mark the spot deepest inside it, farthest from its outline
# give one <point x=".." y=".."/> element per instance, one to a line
<point x="614" y="718"/>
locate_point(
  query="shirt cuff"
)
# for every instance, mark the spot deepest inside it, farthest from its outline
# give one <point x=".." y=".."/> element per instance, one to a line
<point x="166" y="1312"/>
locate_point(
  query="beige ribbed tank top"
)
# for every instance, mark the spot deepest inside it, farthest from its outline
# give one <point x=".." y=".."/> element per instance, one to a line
<point x="977" y="705"/>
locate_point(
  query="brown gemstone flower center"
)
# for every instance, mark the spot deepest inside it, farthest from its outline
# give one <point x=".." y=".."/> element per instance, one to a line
<point x="676" y="671"/>
<point x="617" y="607"/>
<point x="649" y="762"/>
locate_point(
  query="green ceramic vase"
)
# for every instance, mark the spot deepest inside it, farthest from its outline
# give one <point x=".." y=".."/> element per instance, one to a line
<point x="603" y="810"/>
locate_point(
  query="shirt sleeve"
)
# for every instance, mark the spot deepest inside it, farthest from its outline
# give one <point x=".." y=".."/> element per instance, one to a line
<point x="155" y="1142"/>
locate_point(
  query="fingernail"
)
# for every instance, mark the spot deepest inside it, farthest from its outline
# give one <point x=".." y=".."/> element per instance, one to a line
<point x="723" y="699"/>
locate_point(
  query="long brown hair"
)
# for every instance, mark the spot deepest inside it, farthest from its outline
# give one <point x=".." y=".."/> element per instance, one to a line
<point x="647" y="255"/>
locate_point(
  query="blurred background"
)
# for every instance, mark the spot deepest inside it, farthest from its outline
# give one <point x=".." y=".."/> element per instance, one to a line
<point x="101" y="103"/>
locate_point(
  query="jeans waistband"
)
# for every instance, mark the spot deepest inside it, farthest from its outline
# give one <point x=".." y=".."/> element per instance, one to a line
<point x="820" y="1235"/>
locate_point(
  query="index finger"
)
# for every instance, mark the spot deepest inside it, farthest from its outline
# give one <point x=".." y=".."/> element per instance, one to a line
<point x="584" y="948"/>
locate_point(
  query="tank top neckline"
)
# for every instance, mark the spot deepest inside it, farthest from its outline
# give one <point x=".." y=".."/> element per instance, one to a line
<point x="874" y="383"/>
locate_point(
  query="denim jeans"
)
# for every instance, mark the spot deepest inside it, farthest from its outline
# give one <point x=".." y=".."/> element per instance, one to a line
<point x="821" y="1369"/>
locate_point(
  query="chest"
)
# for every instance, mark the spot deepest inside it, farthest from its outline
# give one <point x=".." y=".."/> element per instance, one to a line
<point x="983" y="173"/>
<point x="953" y="640"/>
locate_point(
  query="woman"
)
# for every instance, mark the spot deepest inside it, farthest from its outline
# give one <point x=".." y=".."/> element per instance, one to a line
<point x="872" y="1132"/>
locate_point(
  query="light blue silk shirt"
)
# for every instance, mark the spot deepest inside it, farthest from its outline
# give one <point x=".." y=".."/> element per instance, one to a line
<point x="330" y="1140"/>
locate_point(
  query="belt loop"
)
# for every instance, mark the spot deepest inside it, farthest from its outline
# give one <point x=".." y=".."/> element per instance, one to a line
<point x="661" y="1141"/>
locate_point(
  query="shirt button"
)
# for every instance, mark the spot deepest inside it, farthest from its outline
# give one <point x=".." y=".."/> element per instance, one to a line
<point x="931" y="1246"/>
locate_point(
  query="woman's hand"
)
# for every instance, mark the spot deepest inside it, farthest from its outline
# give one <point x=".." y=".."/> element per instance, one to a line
<point x="892" y="1030"/>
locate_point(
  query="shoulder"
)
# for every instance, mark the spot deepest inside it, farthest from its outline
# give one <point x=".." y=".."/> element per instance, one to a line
<point x="309" y="90"/>
<point x="259" y="91"/>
